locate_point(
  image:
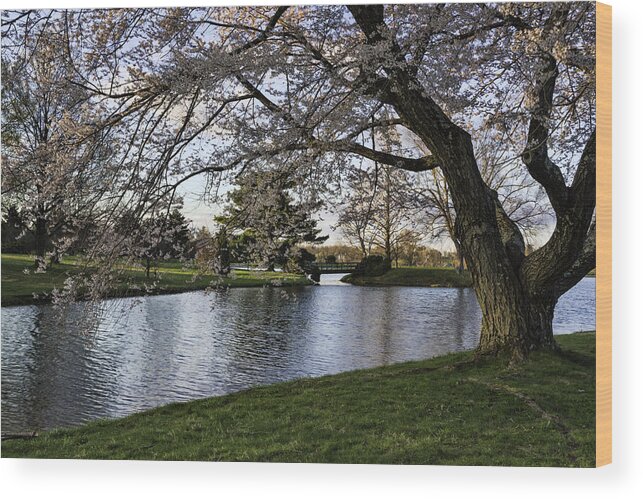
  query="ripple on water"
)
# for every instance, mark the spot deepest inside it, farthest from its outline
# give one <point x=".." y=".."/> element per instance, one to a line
<point x="63" y="369"/>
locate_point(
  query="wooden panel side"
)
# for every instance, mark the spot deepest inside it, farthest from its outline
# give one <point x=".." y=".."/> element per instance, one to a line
<point x="604" y="234"/>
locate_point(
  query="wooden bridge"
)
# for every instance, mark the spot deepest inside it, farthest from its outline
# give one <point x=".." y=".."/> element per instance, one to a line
<point x="330" y="268"/>
<point x="310" y="268"/>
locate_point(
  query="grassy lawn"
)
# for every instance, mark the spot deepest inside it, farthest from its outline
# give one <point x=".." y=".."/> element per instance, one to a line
<point x="18" y="287"/>
<point x="448" y="410"/>
<point x="415" y="276"/>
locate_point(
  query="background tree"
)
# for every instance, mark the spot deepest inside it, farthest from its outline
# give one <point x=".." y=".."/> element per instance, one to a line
<point x="204" y="249"/>
<point x="221" y="256"/>
<point x="52" y="171"/>
<point x="408" y="248"/>
<point x="394" y="215"/>
<point x="274" y="220"/>
<point x="14" y="228"/>
<point x="378" y="210"/>
<point x="158" y="237"/>
<point x="356" y="213"/>
<point x="176" y="243"/>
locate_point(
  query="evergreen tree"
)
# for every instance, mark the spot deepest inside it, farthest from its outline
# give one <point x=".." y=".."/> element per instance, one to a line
<point x="264" y="207"/>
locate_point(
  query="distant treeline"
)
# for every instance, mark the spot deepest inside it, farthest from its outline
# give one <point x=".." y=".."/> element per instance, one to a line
<point x="413" y="255"/>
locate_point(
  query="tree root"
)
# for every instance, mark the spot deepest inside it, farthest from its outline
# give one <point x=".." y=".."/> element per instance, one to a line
<point x="534" y="406"/>
<point x="19" y="436"/>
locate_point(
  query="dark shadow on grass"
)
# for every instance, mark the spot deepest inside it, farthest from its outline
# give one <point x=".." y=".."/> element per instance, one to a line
<point x="577" y="358"/>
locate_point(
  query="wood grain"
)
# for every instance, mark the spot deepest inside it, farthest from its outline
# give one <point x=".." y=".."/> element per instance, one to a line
<point x="604" y="234"/>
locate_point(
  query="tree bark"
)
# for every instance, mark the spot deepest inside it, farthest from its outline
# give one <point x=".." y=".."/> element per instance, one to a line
<point x="517" y="294"/>
<point x="517" y="324"/>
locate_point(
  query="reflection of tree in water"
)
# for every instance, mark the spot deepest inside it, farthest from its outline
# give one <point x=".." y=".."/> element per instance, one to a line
<point x="58" y="373"/>
<point x="17" y="364"/>
<point x="379" y="348"/>
<point x="462" y="309"/>
<point x="153" y="351"/>
<point x="162" y="320"/>
<point x="262" y="325"/>
<point x="455" y="317"/>
<point x="403" y="323"/>
<point x="363" y="324"/>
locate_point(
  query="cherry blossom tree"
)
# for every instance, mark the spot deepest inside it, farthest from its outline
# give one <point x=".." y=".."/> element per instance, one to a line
<point x="52" y="172"/>
<point x="212" y="91"/>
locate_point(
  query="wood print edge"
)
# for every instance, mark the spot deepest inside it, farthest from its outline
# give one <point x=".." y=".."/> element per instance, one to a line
<point x="604" y="234"/>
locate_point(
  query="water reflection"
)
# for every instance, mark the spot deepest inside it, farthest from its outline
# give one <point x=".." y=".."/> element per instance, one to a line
<point x="129" y="355"/>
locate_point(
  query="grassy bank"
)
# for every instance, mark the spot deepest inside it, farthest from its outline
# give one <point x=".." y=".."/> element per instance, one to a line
<point x="448" y="410"/>
<point x="414" y="276"/>
<point x="419" y="276"/>
<point x="18" y="287"/>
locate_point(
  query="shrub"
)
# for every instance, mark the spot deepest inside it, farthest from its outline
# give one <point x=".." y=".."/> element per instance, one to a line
<point x="373" y="265"/>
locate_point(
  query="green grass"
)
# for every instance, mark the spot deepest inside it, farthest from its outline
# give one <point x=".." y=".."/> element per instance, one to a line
<point x="448" y="410"/>
<point x="415" y="276"/>
<point x="18" y="287"/>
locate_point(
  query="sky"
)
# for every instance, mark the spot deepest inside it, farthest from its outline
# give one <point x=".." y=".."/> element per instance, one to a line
<point x="201" y="212"/>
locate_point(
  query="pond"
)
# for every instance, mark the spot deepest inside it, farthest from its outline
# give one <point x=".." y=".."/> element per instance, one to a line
<point x="65" y="368"/>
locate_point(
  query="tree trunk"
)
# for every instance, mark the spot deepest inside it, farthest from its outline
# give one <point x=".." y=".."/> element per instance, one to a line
<point x="40" y="241"/>
<point x="514" y="322"/>
<point x="460" y="262"/>
<point x="517" y="294"/>
<point x="362" y="245"/>
<point x="491" y="244"/>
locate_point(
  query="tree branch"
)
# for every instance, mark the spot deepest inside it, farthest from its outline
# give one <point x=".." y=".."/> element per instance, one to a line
<point x="264" y="34"/>
<point x="536" y="154"/>
<point x="423" y="164"/>
<point x="583" y="264"/>
<point x="543" y="267"/>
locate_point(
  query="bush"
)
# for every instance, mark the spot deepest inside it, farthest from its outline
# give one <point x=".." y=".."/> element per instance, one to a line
<point x="373" y="265"/>
<point x="300" y="260"/>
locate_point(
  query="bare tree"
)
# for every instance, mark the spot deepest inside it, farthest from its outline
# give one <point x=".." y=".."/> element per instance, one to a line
<point x="379" y="210"/>
<point x="381" y="203"/>
<point x="356" y="212"/>
<point x="521" y="197"/>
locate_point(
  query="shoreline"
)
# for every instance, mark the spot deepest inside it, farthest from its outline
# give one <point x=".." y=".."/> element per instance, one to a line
<point x="22" y="301"/>
<point x="451" y="409"/>
<point x="423" y="277"/>
<point x="18" y="287"/>
<point x="426" y="277"/>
